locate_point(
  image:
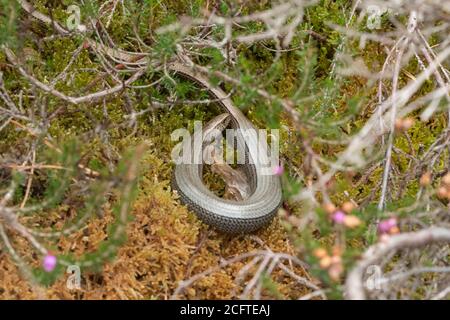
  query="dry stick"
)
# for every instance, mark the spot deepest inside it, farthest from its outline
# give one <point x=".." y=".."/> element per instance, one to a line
<point x="412" y="23"/>
<point x="430" y="49"/>
<point x="111" y="9"/>
<point x="405" y="274"/>
<point x="32" y="167"/>
<point x="30" y="180"/>
<point x="442" y="294"/>
<point x="430" y="110"/>
<point x="5" y="124"/>
<point x="380" y="83"/>
<point x="354" y="287"/>
<point x="257" y="294"/>
<point x="9" y="194"/>
<point x="256" y="277"/>
<point x="5" y="96"/>
<point x="242" y="273"/>
<point x="314" y="294"/>
<point x="73" y="100"/>
<point x="299" y="279"/>
<point x="387" y="167"/>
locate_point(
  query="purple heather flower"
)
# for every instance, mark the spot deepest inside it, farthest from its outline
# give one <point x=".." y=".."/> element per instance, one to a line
<point x="338" y="217"/>
<point x="392" y="222"/>
<point x="386" y="225"/>
<point x="278" y="170"/>
<point x="49" y="263"/>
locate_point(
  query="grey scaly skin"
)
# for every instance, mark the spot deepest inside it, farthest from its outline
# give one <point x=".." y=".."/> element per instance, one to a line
<point x="227" y="215"/>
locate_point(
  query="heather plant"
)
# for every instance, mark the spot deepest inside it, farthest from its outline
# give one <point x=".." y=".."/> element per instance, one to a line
<point x="359" y="92"/>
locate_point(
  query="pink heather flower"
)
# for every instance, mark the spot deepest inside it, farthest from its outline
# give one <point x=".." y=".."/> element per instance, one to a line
<point x="392" y="222"/>
<point x="338" y="217"/>
<point x="383" y="227"/>
<point x="278" y="170"/>
<point x="49" y="263"/>
<point x="386" y="225"/>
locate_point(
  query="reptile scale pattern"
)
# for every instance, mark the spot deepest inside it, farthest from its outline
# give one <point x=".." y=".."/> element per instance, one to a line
<point x="233" y="217"/>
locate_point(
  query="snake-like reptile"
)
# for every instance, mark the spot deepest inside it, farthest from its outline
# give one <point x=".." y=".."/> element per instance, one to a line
<point x="229" y="216"/>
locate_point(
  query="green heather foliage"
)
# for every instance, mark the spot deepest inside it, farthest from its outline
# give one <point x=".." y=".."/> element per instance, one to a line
<point x="8" y="22"/>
